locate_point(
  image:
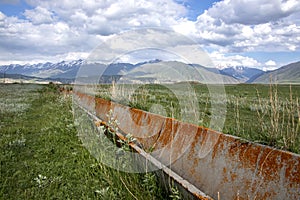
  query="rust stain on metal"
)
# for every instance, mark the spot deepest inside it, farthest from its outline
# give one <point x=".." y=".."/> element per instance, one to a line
<point x="168" y="132"/>
<point x="202" y="197"/>
<point x="219" y="165"/>
<point x="146" y="127"/>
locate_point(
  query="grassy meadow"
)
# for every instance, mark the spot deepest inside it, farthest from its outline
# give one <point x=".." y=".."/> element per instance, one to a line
<point x="267" y="114"/>
<point x="43" y="158"/>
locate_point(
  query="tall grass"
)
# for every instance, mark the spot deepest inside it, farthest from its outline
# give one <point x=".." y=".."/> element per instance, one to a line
<point x="43" y="158"/>
<point x="268" y="114"/>
<point x="279" y="119"/>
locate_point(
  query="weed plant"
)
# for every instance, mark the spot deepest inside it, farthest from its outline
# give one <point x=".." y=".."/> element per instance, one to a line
<point x="43" y="158"/>
<point x="267" y="114"/>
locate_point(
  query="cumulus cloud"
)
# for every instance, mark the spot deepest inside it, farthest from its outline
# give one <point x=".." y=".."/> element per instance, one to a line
<point x="42" y="58"/>
<point x="162" y="40"/>
<point x="108" y="17"/>
<point x="253" y="12"/>
<point x="242" y="25"/>
<point x="2" y="18"/>
<point x="56" y="27"/>
<point x="222" y="61"/>
<point x="23" y="40"/>
<point x="39" y="15"/>
<point x="270" y="65"/>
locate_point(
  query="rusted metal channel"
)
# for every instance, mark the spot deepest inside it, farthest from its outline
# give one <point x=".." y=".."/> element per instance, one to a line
<point x="219" y="165"/>
<point x="191" y="192"/>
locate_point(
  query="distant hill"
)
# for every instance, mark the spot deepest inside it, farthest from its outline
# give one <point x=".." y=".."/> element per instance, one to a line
<point x="19" y="78"/>
<point x="287" y="74"/>
<point x="174" y="71"/>
<point x="16" y="76"/>
<point x="152" y="71"/>
<point x="243" y="74"/>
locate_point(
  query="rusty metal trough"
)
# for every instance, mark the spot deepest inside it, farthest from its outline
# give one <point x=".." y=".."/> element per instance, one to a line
<point x="209" y="163"/>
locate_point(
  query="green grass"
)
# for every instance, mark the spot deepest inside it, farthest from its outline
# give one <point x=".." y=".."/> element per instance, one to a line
<point x="42" y="156"/>
<point x="267" y="114"/>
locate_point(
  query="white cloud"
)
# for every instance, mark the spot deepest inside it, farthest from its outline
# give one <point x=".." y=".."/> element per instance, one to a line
<point x="222" y="61"/>
<point x="253" y="12"/>
<point x="75" y="56"/>
<point x="115" y="15"/>
<point x="168" y="41"/>
<point x="56" y="27"/>
<point x="185" y="27"/>
<point x="243" y="25"/>
<point x="23" y="40"/>
<point x="270" y="63"/>
<point x="146" y="55"/>
<point x="2" y="16"/>
<point x="39" y="15"/>
<point x="35" y="58"/>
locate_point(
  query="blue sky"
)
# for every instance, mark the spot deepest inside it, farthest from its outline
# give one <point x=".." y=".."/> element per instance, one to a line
<point x="14" y="8"/>
<point x="196" y="7"/>
<point x="258" y="33"/>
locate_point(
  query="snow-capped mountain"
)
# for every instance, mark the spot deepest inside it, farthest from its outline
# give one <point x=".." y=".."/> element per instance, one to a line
<point x="243" y="74"/>
<point x="62" y="69"/>
<point x="66" y="71"/>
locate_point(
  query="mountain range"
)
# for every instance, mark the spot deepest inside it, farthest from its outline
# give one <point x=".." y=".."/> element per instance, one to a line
<point x="243" y="74"/>
<point x="152" y="71"/>
<point x="62" y="71"/>
<point x="287" y="74"/>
